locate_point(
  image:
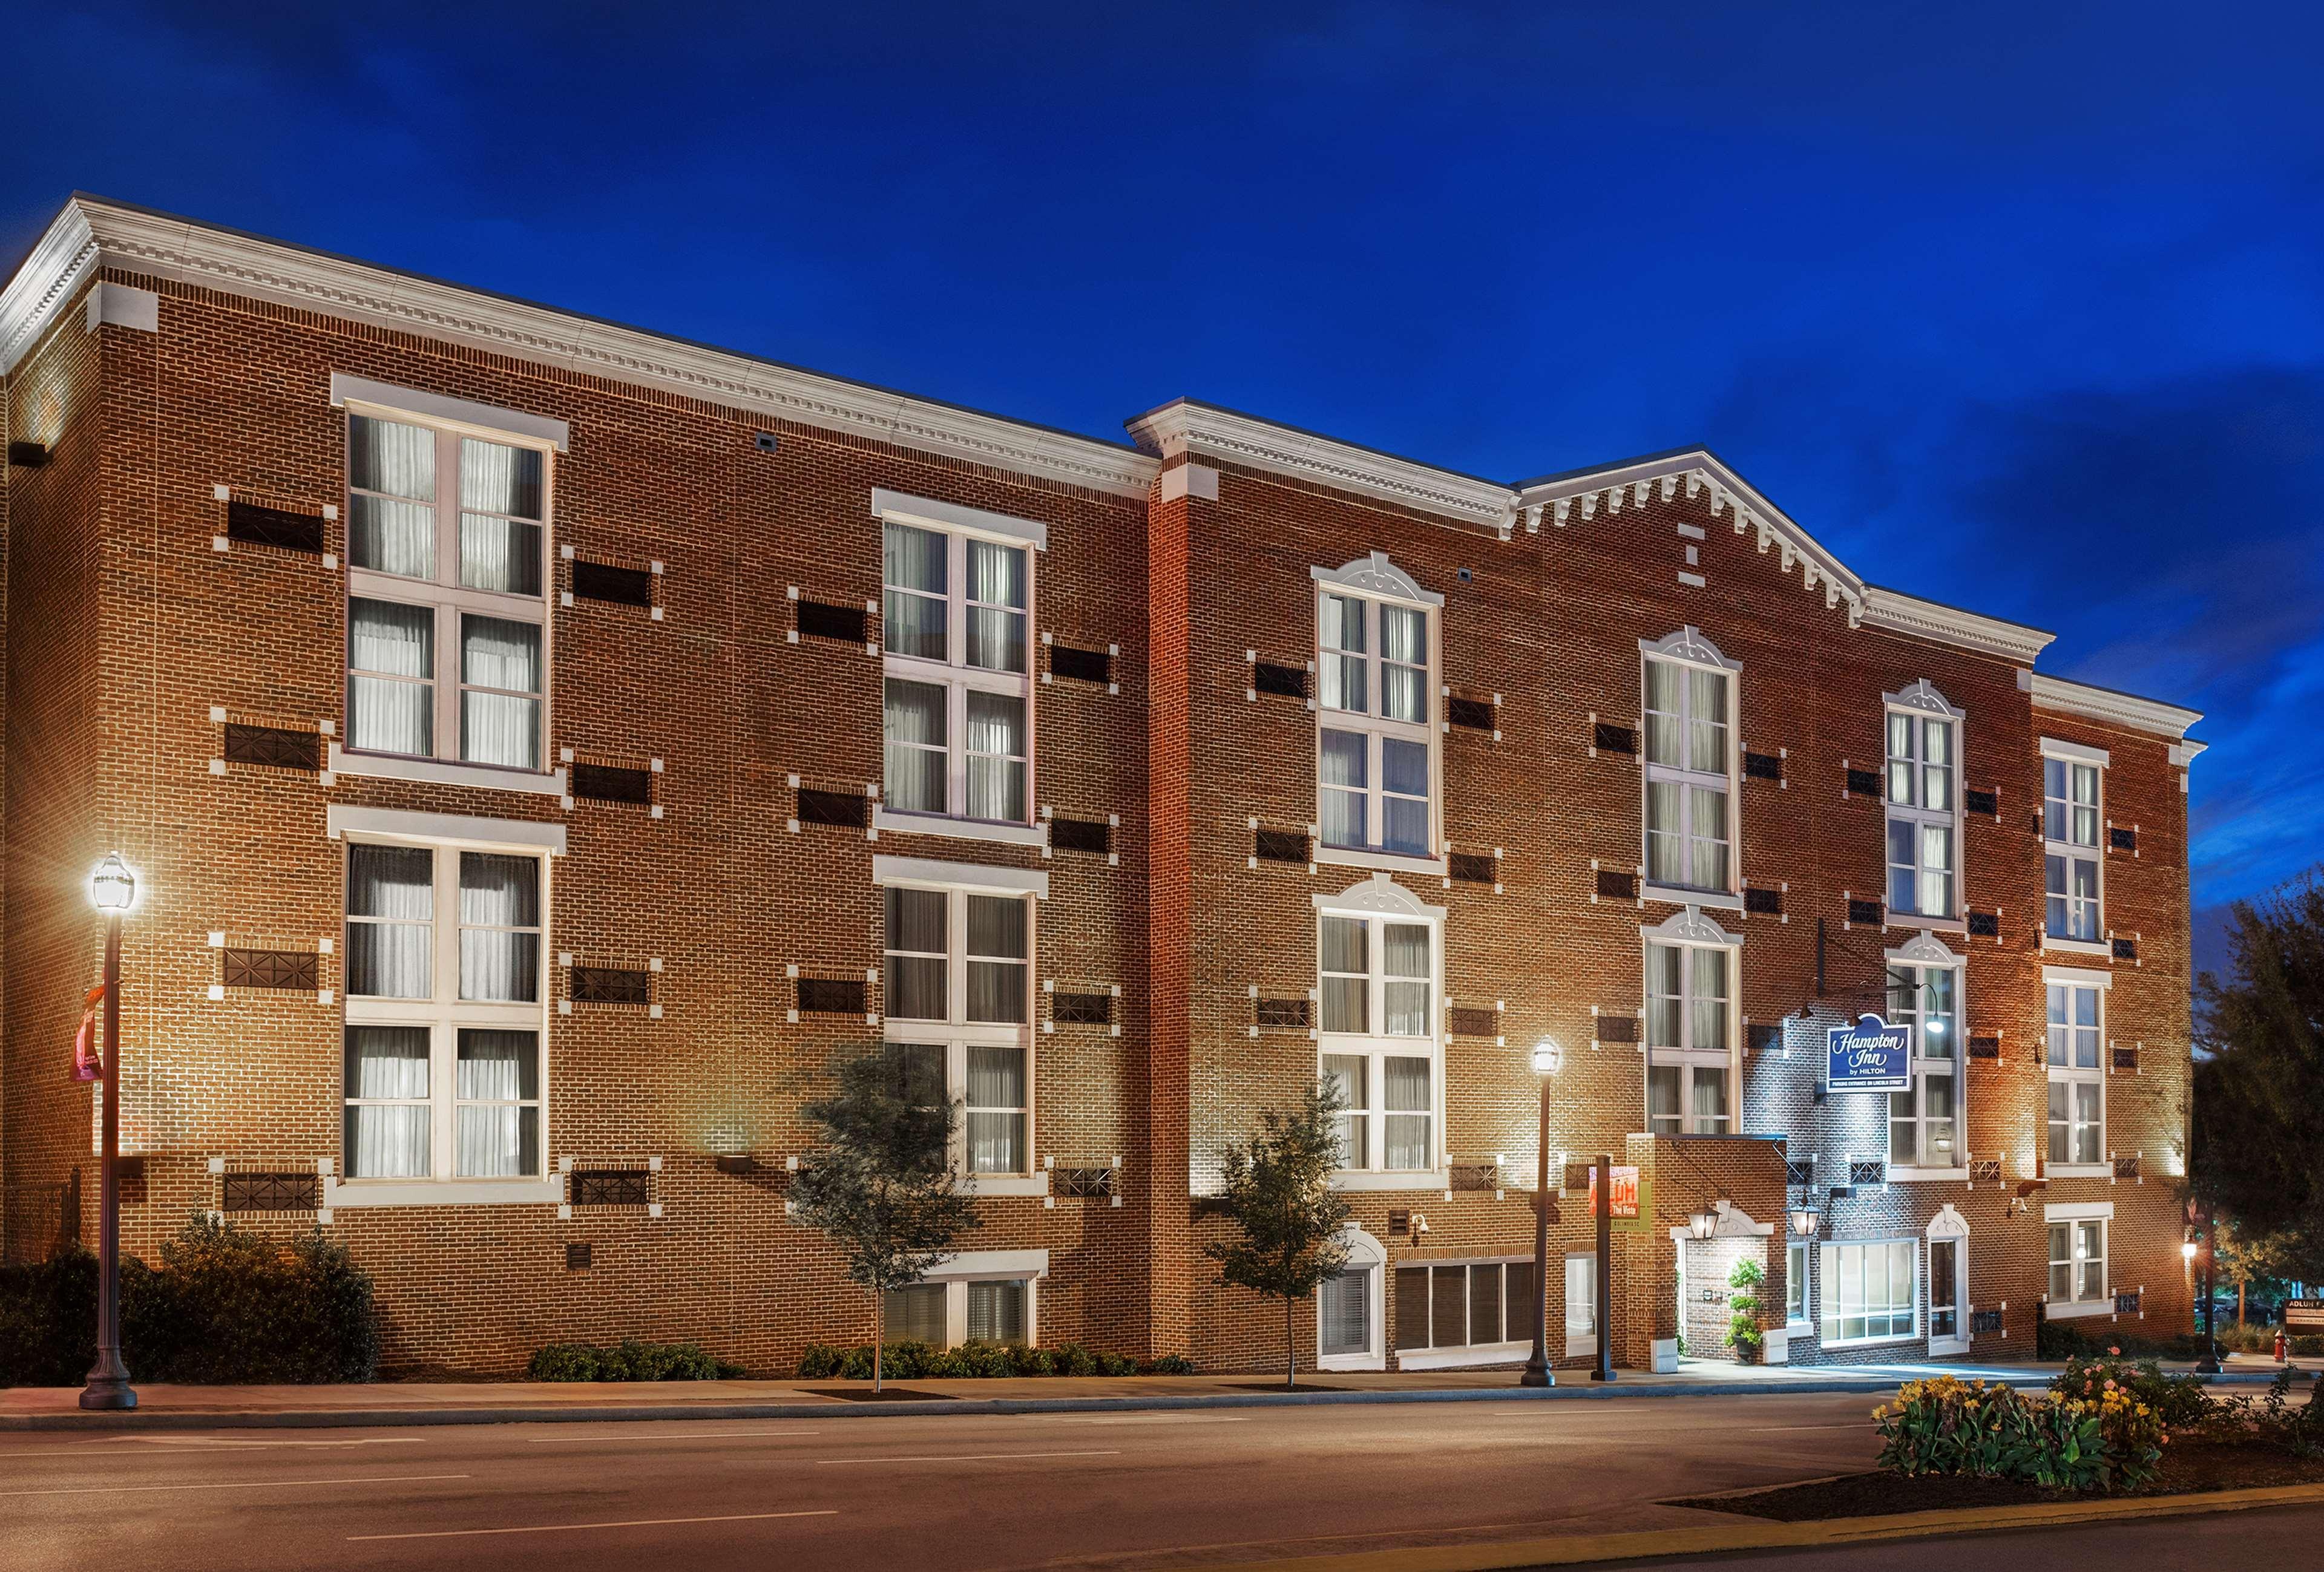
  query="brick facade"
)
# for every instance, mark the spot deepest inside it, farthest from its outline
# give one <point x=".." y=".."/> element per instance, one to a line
<point x="133" y="642"/>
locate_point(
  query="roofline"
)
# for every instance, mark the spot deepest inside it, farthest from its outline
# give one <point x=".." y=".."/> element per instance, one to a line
<point x="91" y="232"/>
<point x="2113" y="705"/>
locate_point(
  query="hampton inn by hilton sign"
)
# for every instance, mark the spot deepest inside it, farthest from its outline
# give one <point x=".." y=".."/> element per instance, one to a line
<point x="1870" y="1056"/>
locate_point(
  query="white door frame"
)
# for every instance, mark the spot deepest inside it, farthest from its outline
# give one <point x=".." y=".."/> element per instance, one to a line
<point x="1948" y="1226"/>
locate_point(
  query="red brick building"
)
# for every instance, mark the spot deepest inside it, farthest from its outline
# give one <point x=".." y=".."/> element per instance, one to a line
<point x="545" y="746"/>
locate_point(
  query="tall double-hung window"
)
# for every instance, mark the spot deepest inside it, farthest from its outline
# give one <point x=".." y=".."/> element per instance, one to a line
<point x="2073" y="779"/>
<point x="1691" y="751"/>
<point x="1378" y="755"/>
<point x="1924" y="1123"/>
<point x="448" y="639"/>
<point x="957" y="618"/>
<point x="959" y="975"/>
<point x="1922" y="788"/>
<point x="1691" y="1026"/>
<point x="2073" y="1052"/>
<point x="1378" y="1026"/>
<point x="443" y="1038"/>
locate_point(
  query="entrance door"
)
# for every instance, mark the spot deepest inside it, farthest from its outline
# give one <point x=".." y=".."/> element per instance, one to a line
<point x="1948" y="1307"/>
<point x="1581" y="1306"/>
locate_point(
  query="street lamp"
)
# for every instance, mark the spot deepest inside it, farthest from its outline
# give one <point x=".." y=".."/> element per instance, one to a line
<point x="114" y="890"/>
<point x="2209" y="1365"/>
<point x="1547" y="1056"/>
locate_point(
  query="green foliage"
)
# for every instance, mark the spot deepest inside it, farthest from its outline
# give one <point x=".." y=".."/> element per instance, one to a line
<point x="2180" y="1402"/>
<point x="2067" y="1340"/>
<point x="2273" y="1420"/>
<point x="226" y="1304"/>
<point x="1286" y="1217"/>
<point x="1948" y="1426"/>
<point x="1171" y="1365"/>
<point x="1743" y="1332"/>
<point x="2257" y="1152"/>
<point x="629" y="1360"/>
<point x="911" y="1361"/>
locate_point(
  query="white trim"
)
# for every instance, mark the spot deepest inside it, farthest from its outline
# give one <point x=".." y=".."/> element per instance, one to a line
<point x="1922" y="698"/>
<point x="1948" y="1224"/>
<point x="534" y="430"/>
<point x="1376" y="894"/>
<point x="2097" y="947"/>
<point x="990" y="1265"/>
<point x="1690" y="645"/>
<point x="1679" y="895"/>
<point x="2075" y="977"/>
<point x="2074" y="1170"/>
<point x="1362" y="1180"/>
<point x="1376" y="576"/>
<point x="1464" y="1355"/>
<point x="923" y="870"/>
<point x="1390" y="861"/>
<point x="1364" y="1252"/>
<point x="446" y="772"/>
<point x="1183" y="427"/>
<point x="895" y="821"/>
<point x="2075" y="1310"/>
<point x="1925" y="949"/>
<point x="122" y="306"/>
<point x="90" y="232"/>
<point x="905" y="508"/>
<point x="1190" y="479"/>
<point x="424" y="1192"/>
<point x="2076" y="1211"/>
<point x="1901" y="1174"/>
<point x="2170" y="721"/>
<point x="2081" y="751"/>
<point x="1004" y="1184"/>
<point x="1894" y="612"/>
<point x="341" y="820"/>
<point x="1690" y="927"/>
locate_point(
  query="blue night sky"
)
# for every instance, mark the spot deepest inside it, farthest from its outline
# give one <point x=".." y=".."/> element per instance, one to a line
<point x="2018" y="306"/>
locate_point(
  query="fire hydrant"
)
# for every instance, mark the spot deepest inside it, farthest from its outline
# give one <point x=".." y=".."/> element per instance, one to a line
<point x="2283" y="1347"/>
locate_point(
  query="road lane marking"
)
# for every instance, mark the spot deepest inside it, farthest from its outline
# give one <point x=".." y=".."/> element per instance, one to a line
<point x="1771" y="1429"/>
<point x="691" y="1436"/>
<point x="240" y="1484"/>
<point x="965" y="1457"/>
<point x="147" y="1446"/>
<point x="635" y="1523"/>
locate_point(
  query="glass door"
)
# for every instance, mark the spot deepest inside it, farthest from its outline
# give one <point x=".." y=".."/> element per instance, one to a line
<point x="1948" y="1310"/>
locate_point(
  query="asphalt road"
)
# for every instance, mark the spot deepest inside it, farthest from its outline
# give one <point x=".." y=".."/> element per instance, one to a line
<point x="2285" y="1538"/>
<point x="1034" y="1490"/>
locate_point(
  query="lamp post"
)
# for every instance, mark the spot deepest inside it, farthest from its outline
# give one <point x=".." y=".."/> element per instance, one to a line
<point x="113" y="890"/>
<point x="2209" y="1365"/>
<point x="1546" y="1058"/>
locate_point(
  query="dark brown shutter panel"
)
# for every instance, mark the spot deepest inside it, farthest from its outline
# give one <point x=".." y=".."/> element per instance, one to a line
<point x="828" y="996"/>
<point x="1287" y="682"/>
<point x="618" y="586"/>
<point x="1762" y="902"/>
<point x="611" y="985"/>
<point x="1080" y="666"/>
<point x="1476" y="1022"/>
<point x="1473" y="867"/>
<point x="606" y="783"/>
<point x="1869" y="912"/>
<point x="609" y="1187"/>
<point x="822" y="619"/>
<point x="1612" y="738"/>
<point x="272" y="747"/>
<point x="1280" y="1013"/>
<point x="1081" y="835"/>
<point x="275" y="527"/>
<point x="1617" y="1029"/>
<point x="276" y="969"/>
<point x="848" y="810"/>
<point x="1863" y="783"/>
<point x="1617" y="885"/>
<point x="1280" y="846"/>
<point x="1763" y="767"/>
<point x="1082" y="1009"/>
<point x="1475" y="714"/>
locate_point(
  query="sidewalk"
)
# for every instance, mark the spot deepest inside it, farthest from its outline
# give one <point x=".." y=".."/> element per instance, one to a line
<point x="30" y="1408"/>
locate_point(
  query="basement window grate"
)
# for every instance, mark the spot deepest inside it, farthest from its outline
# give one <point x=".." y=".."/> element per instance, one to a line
<point x="1080" y="666"/>
<point x="609" y="1187"/>
<point x="1863" y="783"/>
<point x="822" y="619"/>
<point x="1081" y="835"/>
<point x="2122" y="837"/>
<point x="831" y="996"/>
<point x="1984" y="1322"/>
<point x="1617" y="1029"/>
<point x="276" y="527"/>
<point x="1985" y="925"/>
<point x="1986" y="803"/>
<point x="1281" y="1014"/>
<point x="606" y="783"/>
<point x="1768" y="903"/>
<point x="270" y="1192"/>
<point x="1280" y="846"/>
<point x="2125" y="1058"/>
<point x="1764" y="1037"/>
<point x="293" y="971"/>
<point x="1985" y="1170"/>
<point x="1617" y="885"/>
<point x="1476" y="1022"/>
<point x="611" y="985"/>
<point x="1612" y="738"/>
<point x="272" y="747"/>
<point x="2126" y="1167"/>
<point x="1475" y="714"/>
<point x="1984" y="1047"/>
<point x="848" y="810"/>
<point x="616" y="587"/>
<point x="2125" y="949"/>
<point x="1092" y="1183"/>
<point x="1473" y="867"/>
<point x="1763" y="767"/>
<point x="1286" y="681"/>
<point x="1869" y="912"/>
<point x="1799" y="1173"/>
<point x="1082" y="1009"/>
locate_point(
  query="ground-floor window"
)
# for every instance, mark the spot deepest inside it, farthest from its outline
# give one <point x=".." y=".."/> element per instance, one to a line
<point x="1868" y="1291"/>
<point x="1580" y="1304"/>
<point x="1347" y="1304"/>
<point x="1463" y="1304"/>
<point x="1795" y="1282"/>
<point x="2077" y="1272"/>
<point x="985" y="1311"/>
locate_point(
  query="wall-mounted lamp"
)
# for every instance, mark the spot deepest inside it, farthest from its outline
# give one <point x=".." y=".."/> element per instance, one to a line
<point x="1803" y="1222"/>
<point x="1700" y="1223"/>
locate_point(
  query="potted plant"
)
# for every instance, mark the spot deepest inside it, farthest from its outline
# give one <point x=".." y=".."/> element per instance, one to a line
<point x="1743" y="1333"/>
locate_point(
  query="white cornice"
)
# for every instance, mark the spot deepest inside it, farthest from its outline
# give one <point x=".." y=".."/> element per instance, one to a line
<point x="1899" y="613"/>
<point x="2073" y="698"/>
<point x="90" y="231"/>
<point x="1198" y="430"/>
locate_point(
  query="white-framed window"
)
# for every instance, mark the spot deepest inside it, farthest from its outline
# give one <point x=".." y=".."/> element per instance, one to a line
<point x="1690" y="762"/>
<point x="1691" y="1021"/>
<point x="959" y="971"/>
<point x="956" y="619"/>
<point x="1580" y="1304"/>
<point x="1378" y="756"/>
<point x="1378" y="1026"/>
<point x="2078" y="1261"/>
<point x="2074" y="1053"/>
<point x="1924" y="989"/>
<point x="447" y="627"/>
<point x="445" y="1016"/>
<point x="974" y="1310"/>
<point x="1796" y="1299"/>
<point x="1350" y="1309"/>
<point x="1869" y="1290"/>
<point x="1462" y="1304"/>
<point x="2073" y="786"/>
<point x="1924" y="796"/>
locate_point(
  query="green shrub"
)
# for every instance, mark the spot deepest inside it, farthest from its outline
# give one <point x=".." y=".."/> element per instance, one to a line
<point x="968" y="1361"/>
<point x="630" y="1360"/>
<point x="2272" y="1419"/>
<point x="2180" y="1402"/>
<point x="1743" y="1334"/>
<point x="1948" y="1426"/>
<point x="226" y="1304"/>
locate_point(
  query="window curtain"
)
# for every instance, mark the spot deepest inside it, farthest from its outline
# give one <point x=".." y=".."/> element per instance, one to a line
<point x="996" y="622"/>
<point x="1900" y="760"/>
<point x="996" y="1312"/>
<point x="500" y="727"/>
<point x="1664" y="681"/>
<point x="1346" y="998"/>
<point x="914" y="1314"/>
<point x="497" y="893"/>
<point x="1404" y="805"/>
<point x="389" y="1142"/>
<point x="385" y="534"/>
<point x="500" y="554"/>
<point x="1936" y="774"/>
<point x="916" y="983"/>
<point x="1404" y="1086"/>
<point x="1707" y="721"/>
<point x="1404" y="675"/>
<point x="1936" y="869"/>
<point x="1665" y="845"/>
<point x="918" y="1073"/>
<point x="996" y="758"/>
<point x="1345" y="1074"/>
<point x="1663" y="961"/>
<point x="914" y="623"/>
<point x="1661" y="1099"/>
<point x="397" y="642"/>
<point x="996" y="1104"/>
<point x="1405" y="990"/>
<point x="1347" y="1311"/>
<point x="1343" y="769"/>
<point x="496" y="478"/>
<point x="496" y="1136"/>
<point x="996" y="953"/>
<point x="1708" y="1000"/>
<point x="1709" y="1100"/>
<point x="391" y="958"/>
<point x="1707" y="838"/>
<point x="1343" y="674"/>
<point x="916" y="746"/>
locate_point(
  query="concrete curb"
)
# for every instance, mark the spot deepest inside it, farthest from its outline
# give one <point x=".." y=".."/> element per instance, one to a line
<point x="1725" y="1538"/>
<point x="616" y="1413"/>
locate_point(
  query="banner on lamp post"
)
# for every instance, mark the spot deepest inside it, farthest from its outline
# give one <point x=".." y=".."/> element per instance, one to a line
<point x="1869" y="1056"/>
<point x="88" y="1063"/>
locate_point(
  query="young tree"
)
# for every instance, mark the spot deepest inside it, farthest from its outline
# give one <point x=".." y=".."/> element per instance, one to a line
<point x="1287" y="1217"/>
<point x="2257" y="1151"/>
<point x="881" y="1182"/>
